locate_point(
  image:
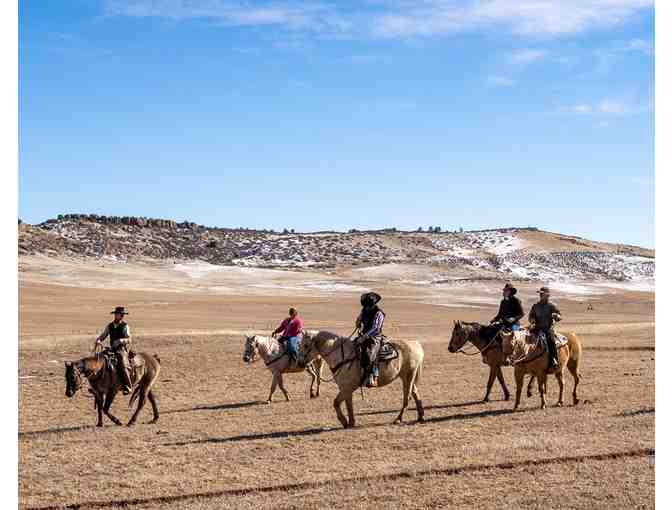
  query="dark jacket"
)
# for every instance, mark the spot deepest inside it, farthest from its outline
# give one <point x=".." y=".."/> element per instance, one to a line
<point x="510" y="308"/>
<point x="542" y="315"/>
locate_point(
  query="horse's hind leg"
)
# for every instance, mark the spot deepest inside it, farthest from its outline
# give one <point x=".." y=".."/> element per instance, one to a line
<point x="281" y="383"/>
<point x="155" y="408"/>
<point x="108" y="403"/>
<point x="529" y="386"/>
<point x="141" y="403"/>
<point x="500" y="378"/>
<point x="491" y="380"/>
<point x="408" y="384"/>
<point x="519" y="386"/>
<point x="541" y="380"/>
<point x="574" y="370"/>
<point x="418" y="403"/>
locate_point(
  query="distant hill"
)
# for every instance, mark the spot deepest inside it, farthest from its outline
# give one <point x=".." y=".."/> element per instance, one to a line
<point x="520" y="253"/>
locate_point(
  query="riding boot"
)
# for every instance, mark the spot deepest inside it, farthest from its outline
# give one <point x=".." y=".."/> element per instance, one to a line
<point x="552" y="351"/>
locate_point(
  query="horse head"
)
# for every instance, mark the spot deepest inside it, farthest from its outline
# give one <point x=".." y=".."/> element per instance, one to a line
<point x="251" y="349"/>
<point x="307" y="349"/>
<point x="459" y="337"/>
<point x="73" y="379"/>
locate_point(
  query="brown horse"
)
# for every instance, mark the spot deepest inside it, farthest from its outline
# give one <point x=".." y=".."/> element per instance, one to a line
<point x="104" y="383"/>
<point x="341" y="356"/>
<point x="531" y="358"/>
<point x="270" y="350"/>
<point x="484" y="338"/>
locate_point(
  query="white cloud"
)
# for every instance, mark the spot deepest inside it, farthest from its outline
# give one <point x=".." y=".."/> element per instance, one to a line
<point x="397" y="18"/>
<point x="501" y="81"/>
<point x="527" y="56"/>
<point x="608" y="107"/>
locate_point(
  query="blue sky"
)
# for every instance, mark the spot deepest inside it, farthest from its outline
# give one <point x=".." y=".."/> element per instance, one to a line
<point x="319" y="115"/>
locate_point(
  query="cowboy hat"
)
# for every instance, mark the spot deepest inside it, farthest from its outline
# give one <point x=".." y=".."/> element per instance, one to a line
<point x="121" y="310"/>
<point x="369" y="298"/>
<point x="544" y="290"/>
<point x="511" y="288"/>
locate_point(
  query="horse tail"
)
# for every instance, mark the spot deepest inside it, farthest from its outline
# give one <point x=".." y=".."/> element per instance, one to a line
<point x="575" y="353"/>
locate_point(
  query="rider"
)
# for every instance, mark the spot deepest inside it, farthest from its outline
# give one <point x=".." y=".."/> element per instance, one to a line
<point x="510" y="309"/>
<point x="370" y="325"/>
<point x="290" y="328"/>
<point x="541" y="317"/>
<point x="120" y="341"/>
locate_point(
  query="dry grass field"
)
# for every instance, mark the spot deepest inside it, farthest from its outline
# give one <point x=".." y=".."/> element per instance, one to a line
<point x="217" y="446"/>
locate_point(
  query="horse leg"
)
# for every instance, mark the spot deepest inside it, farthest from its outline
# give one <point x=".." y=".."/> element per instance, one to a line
<point x="99" y="407"/>
<point x="141" y="403"/>
<point x="519" y="386"/>
<point x="541" y="380"/>
<point x="418" y="403"/>
<point x="407" y="385"/>
<point x="313" y="378"/>
<point x="560" y="376"/>
<point x="281" y="383"/>
<point x="500" y="378"/>
<point x="574" y="370"/>
<point x="491" y="380"/>
<point x="318" y="372"/>
<point x="155" y="408"/>
<point x="529" y="387"/>
<point x="337" y="406"/>
<point x="351" y="411"/>
<point x="108" y="403"/>
<point x="274" y="384"/>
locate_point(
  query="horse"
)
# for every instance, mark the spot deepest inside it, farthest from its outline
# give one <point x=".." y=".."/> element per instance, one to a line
<point x="484" y="338"/>
<point x="104" y="383"/>
<point x="532" y="358"/>
<point x="343" y="360"/>
<point x="278" y="362"/>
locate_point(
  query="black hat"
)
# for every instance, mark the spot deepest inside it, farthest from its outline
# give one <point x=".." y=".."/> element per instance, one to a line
<point x="369" y="299"/>
<point x="511" y="288"/>
<point x="544" y="290"/>
<point x="121" y="310"/>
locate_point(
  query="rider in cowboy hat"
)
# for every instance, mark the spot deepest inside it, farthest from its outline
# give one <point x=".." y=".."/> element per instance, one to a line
<point x="510" y="309"/>
<point x="120" y="340"/>
<point x="541" y="317"/>
<point x="370" y="325"/>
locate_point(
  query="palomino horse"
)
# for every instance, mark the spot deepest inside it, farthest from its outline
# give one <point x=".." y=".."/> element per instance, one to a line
<point x="270" y="350"/>
<point x="340" y="354"/>
<point x="104" y="383"/>
<point x="484" y="338"/>
<point x="531" y="358"/>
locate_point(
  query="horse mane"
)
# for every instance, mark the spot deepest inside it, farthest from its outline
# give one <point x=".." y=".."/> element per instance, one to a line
<point x="484" y="332"/>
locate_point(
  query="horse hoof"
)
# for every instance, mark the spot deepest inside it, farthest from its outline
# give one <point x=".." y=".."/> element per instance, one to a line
<point x="486" y="400"/>
<point x="559" y="404"/>
<point x="130" y="424"/>
<point x="99" y="424"/>
<point x="154" y="421"/>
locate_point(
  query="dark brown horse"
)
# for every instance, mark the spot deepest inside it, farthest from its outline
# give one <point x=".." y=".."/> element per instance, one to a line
<point x="104" y="383"/>
<point x="484" y="339"/>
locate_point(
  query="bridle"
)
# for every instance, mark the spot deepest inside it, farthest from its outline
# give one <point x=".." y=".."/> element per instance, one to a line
<point x="478" y="350"/>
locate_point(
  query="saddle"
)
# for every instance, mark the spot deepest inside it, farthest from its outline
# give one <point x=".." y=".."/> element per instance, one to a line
<point x="387" y="351"/>
<point x="112" y="360"/>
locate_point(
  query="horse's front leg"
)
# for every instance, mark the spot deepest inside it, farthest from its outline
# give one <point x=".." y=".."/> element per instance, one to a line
<point x="529" y="386"/>
<point x="274" y="384"/>
<point x="541" y="379"/>
<point x="109" y="398"/>
<point x="491" y="380"/>
<point x="99" y="407"/>
<point x="281" y="383"/>
<point x="351" y="412"/>
<point x="500" y="378"/>
<point x="337" y="406"/>
<point x="519" y="386"/>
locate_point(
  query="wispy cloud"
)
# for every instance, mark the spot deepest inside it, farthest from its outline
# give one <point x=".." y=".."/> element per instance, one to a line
<point x="500" y="81"/>
<point x="608" y="107"/>
<point x="396" y="18"/>
<point x="527" y="56"/>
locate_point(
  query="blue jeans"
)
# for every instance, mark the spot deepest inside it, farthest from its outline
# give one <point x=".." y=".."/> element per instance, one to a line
<point x="515" y="327"/>
<point x="292" y="346"/>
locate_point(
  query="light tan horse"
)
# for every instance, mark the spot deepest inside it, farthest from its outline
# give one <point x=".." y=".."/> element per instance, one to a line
<point x="484" y="339"/>
<point x="340" y="354"/>
<point x="530" y="358"/>
<point x="273" y="354"/>
<point x="104" y="383"/>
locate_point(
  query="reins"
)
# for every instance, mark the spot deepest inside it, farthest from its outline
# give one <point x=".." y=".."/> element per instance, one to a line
<point x="480" y="351"/>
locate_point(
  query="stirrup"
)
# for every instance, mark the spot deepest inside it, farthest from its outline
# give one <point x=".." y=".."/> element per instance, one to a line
<point x="371" y="381"/>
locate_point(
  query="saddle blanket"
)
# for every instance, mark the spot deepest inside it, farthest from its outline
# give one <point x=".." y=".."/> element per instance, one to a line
<point x="525" y="336"/>
<point x="387" y="352"/>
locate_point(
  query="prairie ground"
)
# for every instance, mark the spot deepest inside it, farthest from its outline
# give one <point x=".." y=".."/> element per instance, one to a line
<point x="217" y="445"/>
